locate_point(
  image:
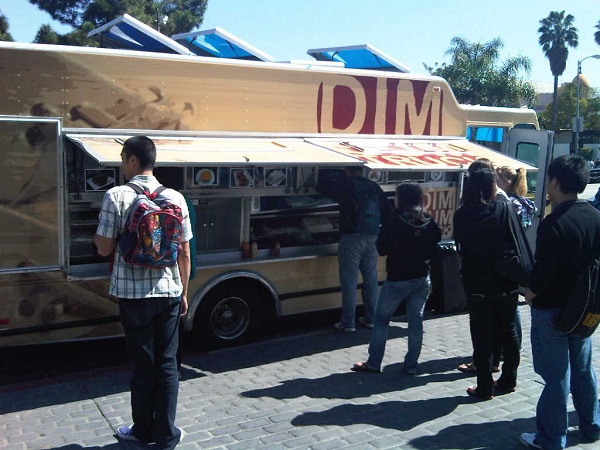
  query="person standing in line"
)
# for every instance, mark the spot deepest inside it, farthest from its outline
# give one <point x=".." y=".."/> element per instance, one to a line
<point x="151" y="301"/>
<point x="362" y="204"/>
<point x="479" y="164"/>
<point x="409" y="238"/>
<point x="567" y="241"/>
<point x="514" y="183"/>
<point x="491" y="298"/>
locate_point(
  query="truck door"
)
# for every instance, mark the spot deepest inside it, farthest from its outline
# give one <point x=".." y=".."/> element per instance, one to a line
<point x="535" y="148"/>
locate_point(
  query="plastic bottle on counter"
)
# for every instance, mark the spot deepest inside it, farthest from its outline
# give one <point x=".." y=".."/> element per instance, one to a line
<point x="245" y="250"/>
<point x="276" y="248"/>
<point x="254" y="249"/>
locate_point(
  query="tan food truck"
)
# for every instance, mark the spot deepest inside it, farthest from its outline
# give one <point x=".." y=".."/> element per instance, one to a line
<point x="244" y="141"/>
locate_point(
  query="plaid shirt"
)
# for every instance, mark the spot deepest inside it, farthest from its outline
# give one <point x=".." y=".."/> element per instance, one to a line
<point x="129" y="281"/>
<point x="525" y="208"/>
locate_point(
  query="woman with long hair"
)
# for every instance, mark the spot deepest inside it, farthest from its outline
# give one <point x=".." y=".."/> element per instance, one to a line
<point x="491" y="299"/>
<point x="514" y="183"/>
<point x="409" y="238"/>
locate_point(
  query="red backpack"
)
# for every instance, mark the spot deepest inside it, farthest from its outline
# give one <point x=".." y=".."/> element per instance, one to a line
<point x="153" y="230"/>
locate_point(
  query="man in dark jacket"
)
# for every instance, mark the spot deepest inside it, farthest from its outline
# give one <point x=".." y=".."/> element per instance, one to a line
<point x="362" y="206"/>
<point x="567" y="240"/>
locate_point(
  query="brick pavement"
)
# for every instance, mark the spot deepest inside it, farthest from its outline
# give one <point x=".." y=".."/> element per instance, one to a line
<point x="294" y="393"/>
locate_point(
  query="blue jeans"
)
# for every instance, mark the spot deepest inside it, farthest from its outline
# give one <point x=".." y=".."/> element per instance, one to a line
<point x="356" y="252"/>
<point x="151" y="334"/>
<point x="393" y="293"/>
<point x="565" y="364"/>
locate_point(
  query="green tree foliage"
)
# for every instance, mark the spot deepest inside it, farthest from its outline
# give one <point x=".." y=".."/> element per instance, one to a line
<point x="589" y="108"/>
<point x="557" y="33"/>
<point x="478" y="78"/>
<point x="597" y="33"/>
<point x="4" y="34"/>
<point x="170" y="16"/>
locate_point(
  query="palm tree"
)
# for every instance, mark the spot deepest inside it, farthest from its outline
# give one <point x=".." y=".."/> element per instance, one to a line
<point x="597" y="33"/>
<point x="477" y="76"/>
<point x="557" y="33"/>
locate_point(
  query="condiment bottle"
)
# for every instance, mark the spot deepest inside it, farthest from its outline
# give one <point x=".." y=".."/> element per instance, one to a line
<point x="245" y="250"/>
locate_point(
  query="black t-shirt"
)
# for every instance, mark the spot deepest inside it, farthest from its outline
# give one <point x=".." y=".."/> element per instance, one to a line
<point x="567" y="240"/>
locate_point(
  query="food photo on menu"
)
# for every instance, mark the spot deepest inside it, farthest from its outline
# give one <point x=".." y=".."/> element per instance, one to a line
<point x="276" y="177"/>
<point x="241" y="178"/>
<point x="99" y="179"/>
<point x="206" y="176"/>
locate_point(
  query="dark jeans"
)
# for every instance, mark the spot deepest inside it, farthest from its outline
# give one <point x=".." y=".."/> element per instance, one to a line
<point x="151" y="333"/>
<point x="492" y="320"/>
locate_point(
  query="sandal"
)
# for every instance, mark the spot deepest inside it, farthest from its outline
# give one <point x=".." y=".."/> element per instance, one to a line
<point x="467" y="368"/>
<point x="470" y="368"/>
<point x="472" y="391"/>
<point x="501" y="390"/>
<point x="362" y="367"/>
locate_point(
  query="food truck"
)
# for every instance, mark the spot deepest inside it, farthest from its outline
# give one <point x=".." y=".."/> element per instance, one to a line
<point x="244" y="141"/>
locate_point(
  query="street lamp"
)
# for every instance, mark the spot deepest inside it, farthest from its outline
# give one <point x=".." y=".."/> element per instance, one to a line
<point x="578" y="122"/>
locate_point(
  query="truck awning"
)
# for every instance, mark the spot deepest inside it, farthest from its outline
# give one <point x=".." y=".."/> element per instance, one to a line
<point x="440" y="154"/>
<point x="417" y="154"/>
<point x="206" y="151"/>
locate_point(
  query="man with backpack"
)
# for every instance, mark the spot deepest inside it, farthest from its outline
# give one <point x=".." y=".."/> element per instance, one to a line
<point x="363" y="206"/>
<point x="568" y="240"/>
<point x="150" y="227"/>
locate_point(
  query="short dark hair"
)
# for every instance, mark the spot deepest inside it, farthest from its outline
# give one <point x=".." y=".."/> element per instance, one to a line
<point x="143" y="149"/>
<point x="572" y="173"/>
<point x="410" y="198"/>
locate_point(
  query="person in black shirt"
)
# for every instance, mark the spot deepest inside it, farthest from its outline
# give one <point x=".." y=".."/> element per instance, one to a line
<point x="491" y="299"/>
<point x="567" y="241"/>
<point x="409" y="238"/>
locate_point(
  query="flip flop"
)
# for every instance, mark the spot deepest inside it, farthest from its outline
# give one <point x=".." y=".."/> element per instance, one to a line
<point x="362" y="367"/>
<point x="472" y="392"/>
<point x="467" y="368"/>
<point x="502" y="390"/>
<point x="470" y="368"/>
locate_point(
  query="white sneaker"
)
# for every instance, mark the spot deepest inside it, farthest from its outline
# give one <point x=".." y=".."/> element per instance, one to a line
<point x="126" y="432"/>
<point x="364" y="323"/>
<point x="528" y="440"/>
<point x="339" y="327"/>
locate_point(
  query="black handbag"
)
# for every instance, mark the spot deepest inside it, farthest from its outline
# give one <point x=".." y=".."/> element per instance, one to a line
<point x="514" y="260"/>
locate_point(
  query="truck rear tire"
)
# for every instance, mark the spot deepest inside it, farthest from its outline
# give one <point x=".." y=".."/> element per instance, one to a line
<point x="228" y="316"/>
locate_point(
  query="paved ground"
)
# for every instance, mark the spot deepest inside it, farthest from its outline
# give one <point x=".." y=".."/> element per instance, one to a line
<point x="293" y="392"/>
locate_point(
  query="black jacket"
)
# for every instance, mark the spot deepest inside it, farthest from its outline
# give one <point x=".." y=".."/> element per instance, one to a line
<point x="477" y="231"/>
<point x="567" y="240"/>
<point x="409" y="245"/>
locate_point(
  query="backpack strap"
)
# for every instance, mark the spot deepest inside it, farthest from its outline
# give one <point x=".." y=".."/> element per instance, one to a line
<point x="139" y="190"/>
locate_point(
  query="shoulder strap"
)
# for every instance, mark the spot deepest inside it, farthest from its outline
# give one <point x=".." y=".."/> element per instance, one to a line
<point x="139" y="190"/>
<point x="135" y="187"/>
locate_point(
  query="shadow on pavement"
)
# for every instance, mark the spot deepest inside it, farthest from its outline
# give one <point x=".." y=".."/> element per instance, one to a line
<point x="351" y="385"/>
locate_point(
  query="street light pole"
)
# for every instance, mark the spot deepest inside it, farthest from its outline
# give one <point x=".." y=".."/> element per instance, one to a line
<point x="578" y="122"/>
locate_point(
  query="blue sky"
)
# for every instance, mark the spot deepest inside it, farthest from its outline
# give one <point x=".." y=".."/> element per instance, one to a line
<point x="412" y="32"/>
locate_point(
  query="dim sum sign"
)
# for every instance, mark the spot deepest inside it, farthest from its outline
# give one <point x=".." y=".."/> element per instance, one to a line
<point x="440" y="203"/>
<point x="426" y="155"/>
